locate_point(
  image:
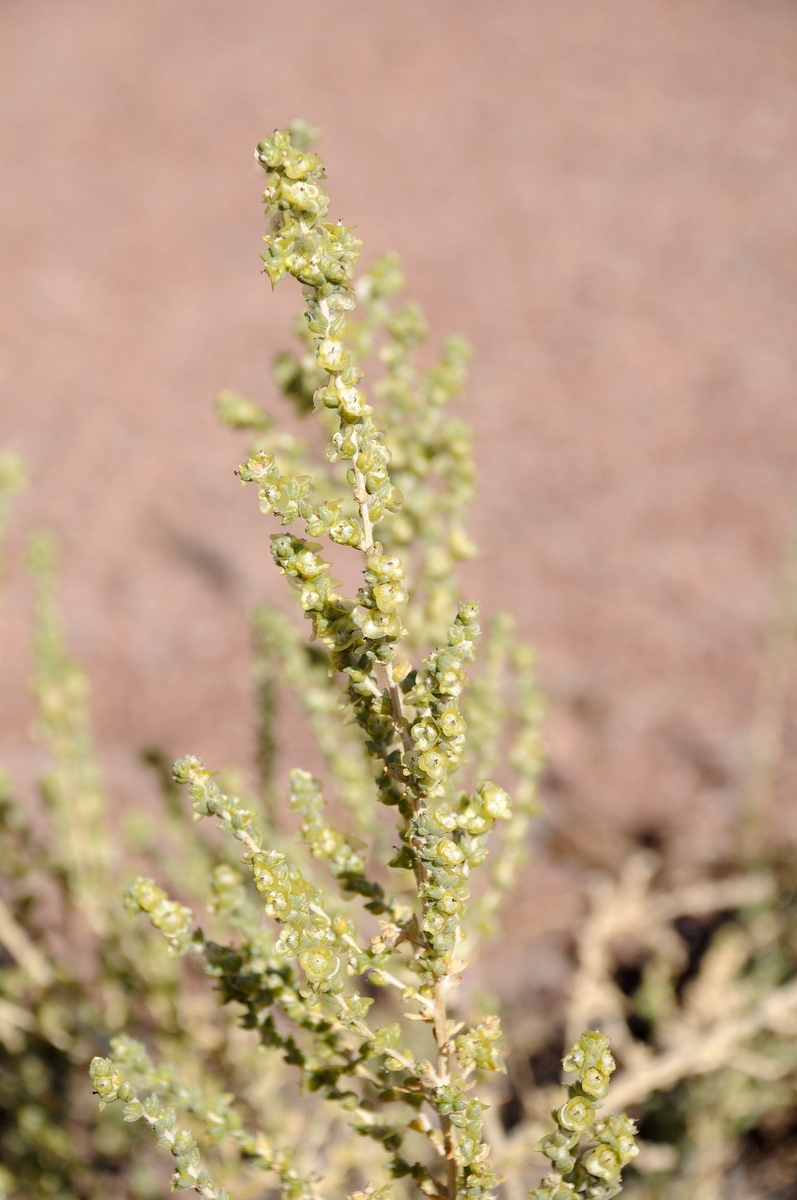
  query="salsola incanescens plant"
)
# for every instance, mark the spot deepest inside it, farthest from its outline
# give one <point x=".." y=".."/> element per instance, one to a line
<point x="392" y="911"/>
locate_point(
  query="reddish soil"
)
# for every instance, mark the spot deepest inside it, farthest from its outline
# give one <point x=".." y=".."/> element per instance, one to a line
<point x="600" y="196"/>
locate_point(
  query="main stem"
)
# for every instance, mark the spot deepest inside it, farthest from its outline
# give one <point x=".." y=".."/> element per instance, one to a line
<point x="441" y="1038"/>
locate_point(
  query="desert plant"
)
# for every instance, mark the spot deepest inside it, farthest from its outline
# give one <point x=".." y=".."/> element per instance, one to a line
<point x="339" y="1053"/>
<point x="406" y="738"/>
<point x="405" y="485"/>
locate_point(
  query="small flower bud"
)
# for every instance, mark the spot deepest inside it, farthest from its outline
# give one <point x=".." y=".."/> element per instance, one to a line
<point x="332" y="355"/>
<point x="450" y="852"/>
<point x="390" y="596"/>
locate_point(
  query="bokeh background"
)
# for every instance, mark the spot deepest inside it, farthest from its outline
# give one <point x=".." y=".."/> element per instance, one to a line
<point x="600" y="196"/>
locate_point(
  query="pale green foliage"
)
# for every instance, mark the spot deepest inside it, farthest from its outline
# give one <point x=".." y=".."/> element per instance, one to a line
<point x="72" y="788"/>
<point x="172" y="919"/>
<point x="406" y="477"/>
<point x="48" y="1015"/>
<point x="592" y="1170"/>
<point x="110" y="1084"/>
<point x="336" y="953"/>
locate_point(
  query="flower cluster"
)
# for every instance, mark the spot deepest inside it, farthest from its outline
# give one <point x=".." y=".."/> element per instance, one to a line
<point x="438" y="731"/>
<point x="356" y="632"/>
<point x="174" y="920"/>
<point x="592" y="1062"/>
<point x="594" y="1169"/>
<point x="432" y="463"/>
<point x="289" y="897"/>
<point x="344" y="854"/>
<point x="505" y="693"/>
<point x="478" y="1049"/>
<point x="322" y="256"/>
<point x="284" y="658"/>
<point x="447" y="842"/>
<point x="207" y="800"/>
<point x="110" y="1085"/>
<point x="464" y="1113"/>
<point x="359" y="634"/>
<point x="306" y="934"/>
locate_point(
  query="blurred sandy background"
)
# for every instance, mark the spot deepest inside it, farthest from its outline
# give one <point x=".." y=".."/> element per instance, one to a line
<point x="600" y="195"/>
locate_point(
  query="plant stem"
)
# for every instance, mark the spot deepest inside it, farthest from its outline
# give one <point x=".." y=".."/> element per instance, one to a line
<point x="443" y="1050"/>
<point x="361" y="498"/>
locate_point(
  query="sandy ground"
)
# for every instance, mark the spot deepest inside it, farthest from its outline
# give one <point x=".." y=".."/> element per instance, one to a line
<point x="600" y="196"/>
